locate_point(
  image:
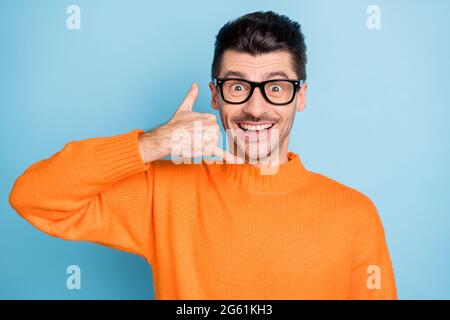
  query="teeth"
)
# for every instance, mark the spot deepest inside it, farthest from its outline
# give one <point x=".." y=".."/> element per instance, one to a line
<point x="254" y="128"/>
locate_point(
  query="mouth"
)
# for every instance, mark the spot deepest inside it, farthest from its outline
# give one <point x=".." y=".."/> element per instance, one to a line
<point x="255" y="130"/>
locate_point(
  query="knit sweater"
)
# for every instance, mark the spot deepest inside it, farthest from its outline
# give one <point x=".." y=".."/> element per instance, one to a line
<point x="212" y="230"/>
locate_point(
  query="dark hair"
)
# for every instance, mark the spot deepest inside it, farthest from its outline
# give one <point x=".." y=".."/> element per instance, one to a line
<point x="261" y="32"/>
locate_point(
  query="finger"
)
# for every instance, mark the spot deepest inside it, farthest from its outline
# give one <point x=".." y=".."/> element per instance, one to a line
<point x="211" y="116"/>
<point x="204" y="115"/>
<point x="190" y="98"/>
<point x="228" y="157"/>
<point x="209" y="123"/>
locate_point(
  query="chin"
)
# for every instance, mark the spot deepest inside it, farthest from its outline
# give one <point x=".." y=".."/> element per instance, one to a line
<point x="254" y="152"/>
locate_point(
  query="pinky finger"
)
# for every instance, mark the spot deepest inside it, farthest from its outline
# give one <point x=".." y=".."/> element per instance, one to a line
<point x="228" y="157"/>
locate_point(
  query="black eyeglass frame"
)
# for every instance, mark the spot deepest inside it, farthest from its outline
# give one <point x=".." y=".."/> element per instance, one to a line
<point x="220" y="81"/>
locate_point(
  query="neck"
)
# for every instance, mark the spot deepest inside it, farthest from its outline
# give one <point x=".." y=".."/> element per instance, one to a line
<point x="283" y="178"/>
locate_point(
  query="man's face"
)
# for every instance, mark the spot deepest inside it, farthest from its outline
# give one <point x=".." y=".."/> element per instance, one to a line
<point x="236" y="118"/>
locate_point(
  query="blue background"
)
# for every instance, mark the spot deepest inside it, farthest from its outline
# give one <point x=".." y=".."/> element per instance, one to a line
<point x="377" y="118"/>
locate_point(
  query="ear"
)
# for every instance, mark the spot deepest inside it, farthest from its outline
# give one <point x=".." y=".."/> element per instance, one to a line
<point x="214" y="96"/>
<point x="301" y="98"/>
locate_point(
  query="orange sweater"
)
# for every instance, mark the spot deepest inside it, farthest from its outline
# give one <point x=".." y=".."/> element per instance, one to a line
<point x="212" y="231"/>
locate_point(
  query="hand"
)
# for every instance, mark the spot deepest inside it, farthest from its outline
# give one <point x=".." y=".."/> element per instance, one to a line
<point x="187" y="132"/>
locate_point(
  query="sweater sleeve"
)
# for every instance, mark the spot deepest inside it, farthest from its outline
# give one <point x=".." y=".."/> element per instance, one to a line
<point x="97" y="190"/>
<point x="372" y="276"/>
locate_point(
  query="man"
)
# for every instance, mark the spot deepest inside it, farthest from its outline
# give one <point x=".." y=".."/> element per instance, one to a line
<point x="220" y="230"/>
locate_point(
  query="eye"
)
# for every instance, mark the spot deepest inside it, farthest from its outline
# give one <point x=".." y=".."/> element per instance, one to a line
<point x="275" y="88"/>
<point x="237" y="87"/>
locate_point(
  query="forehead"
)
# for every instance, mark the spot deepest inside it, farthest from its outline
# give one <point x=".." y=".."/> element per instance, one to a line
<point x="259" y="67"/>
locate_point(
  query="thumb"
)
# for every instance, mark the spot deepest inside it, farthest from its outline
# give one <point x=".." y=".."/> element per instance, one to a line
<point x="189" y="100"/>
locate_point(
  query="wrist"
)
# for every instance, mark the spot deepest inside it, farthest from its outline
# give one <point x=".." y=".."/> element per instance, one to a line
<point x="152" y="144"/>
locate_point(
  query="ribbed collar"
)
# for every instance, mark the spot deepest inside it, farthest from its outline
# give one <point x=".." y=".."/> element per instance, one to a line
<point x="291" y="175"/>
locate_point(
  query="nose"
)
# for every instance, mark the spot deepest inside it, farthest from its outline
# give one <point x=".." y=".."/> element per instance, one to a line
<point x="256" y="105"/>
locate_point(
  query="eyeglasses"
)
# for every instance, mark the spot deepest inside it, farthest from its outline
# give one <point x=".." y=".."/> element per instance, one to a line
<point x="277" y="91"/>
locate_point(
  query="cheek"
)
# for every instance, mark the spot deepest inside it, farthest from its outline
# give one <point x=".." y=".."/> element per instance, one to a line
<point x="228" y="113"/>
<point x="286" y="120"/>
<point x="283" y="118"/>
<point x="225" y="119"/>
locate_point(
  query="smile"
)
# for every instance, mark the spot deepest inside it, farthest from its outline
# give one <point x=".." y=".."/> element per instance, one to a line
<point x="255" y="130"/>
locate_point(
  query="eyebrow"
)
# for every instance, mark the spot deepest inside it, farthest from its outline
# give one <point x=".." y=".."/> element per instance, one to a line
<point x="266" y="76"/>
